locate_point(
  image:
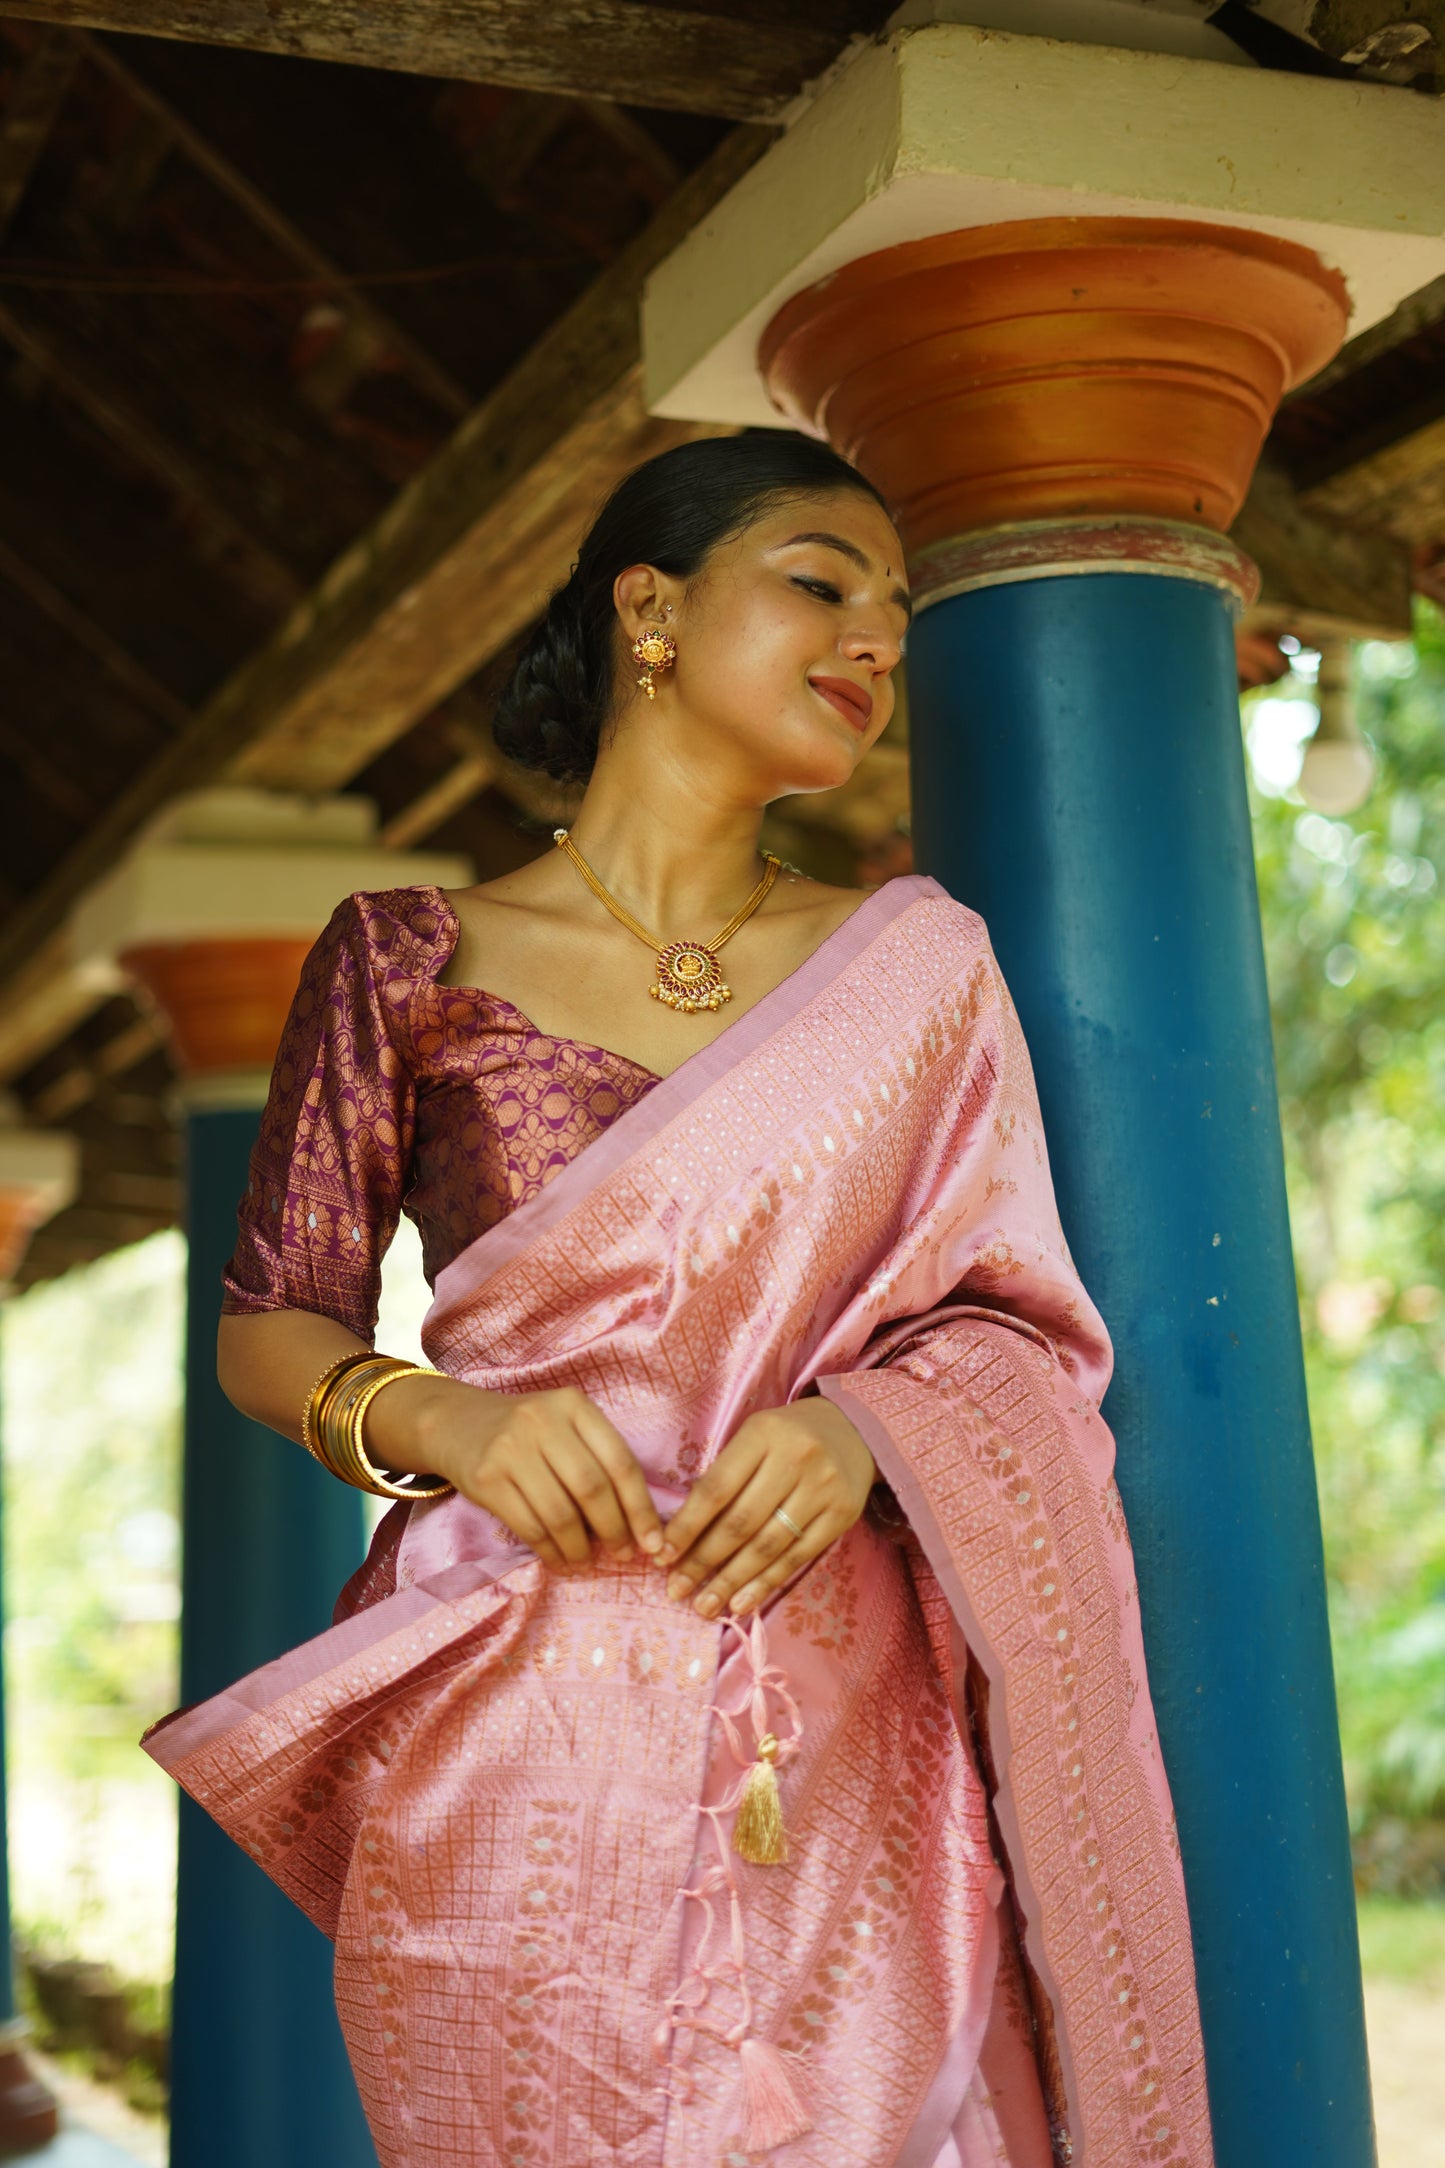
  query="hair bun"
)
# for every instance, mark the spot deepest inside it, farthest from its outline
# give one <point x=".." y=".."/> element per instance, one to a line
<point x="546" y="716"/>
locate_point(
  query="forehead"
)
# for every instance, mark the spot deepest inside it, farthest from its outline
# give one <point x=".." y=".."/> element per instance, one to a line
<point x="846" y="513"/>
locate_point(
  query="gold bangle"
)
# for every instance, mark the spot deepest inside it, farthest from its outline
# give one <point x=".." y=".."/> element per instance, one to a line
<point x="331" y="1396"/>
<point x="382" y="1483"/>
<point x="339" y="1418"/>
<point x="342" y="1440"/>
<point x="315" y="1399"/>
<point x="333" y="1425"/>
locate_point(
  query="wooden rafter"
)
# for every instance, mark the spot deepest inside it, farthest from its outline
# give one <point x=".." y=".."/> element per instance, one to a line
<point x="1317" y="572"/>
<point x="449" y="575"/>
<point x="384" y="334"/>
<point x="76" y="1085"/>
<point x="64" y="501"/>
<point x="471" y="774"/>
<point x="742" y="62"/>
<point x="112" y="657"/>
<point x="230" y="429"/>
<point x="85" y="380"/>
<point x="1397" y="483"/>
<point x="30" y="113"/>
<point x="1418" y="312"/>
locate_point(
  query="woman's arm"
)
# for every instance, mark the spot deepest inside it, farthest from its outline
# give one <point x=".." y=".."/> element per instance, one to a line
<point x="550" y="1466"/>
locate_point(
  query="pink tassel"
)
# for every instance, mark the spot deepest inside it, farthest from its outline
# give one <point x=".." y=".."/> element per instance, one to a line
<point x="772" y="2111"/>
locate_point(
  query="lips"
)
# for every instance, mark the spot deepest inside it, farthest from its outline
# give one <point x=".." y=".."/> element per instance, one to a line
<point x="853" y="702"/>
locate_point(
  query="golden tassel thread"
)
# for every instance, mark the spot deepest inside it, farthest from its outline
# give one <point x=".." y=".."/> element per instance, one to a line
<point x="758" y="1832"/>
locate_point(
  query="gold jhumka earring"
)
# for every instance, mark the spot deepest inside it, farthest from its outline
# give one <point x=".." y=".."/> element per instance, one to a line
<point x="655" y="650"/>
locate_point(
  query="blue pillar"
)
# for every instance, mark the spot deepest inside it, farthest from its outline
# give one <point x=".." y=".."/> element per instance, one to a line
<point x="260" y="2077"/>
<point x="1078" y="779"/>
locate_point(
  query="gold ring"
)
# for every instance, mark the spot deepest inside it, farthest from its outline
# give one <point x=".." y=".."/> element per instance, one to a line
<point x="787" y="1520"/>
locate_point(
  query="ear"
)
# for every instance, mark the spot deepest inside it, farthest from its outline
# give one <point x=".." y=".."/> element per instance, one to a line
<point x="645" y="598"/>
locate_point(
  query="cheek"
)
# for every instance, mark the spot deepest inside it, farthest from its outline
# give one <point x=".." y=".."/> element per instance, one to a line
<point x="760" y="660"/>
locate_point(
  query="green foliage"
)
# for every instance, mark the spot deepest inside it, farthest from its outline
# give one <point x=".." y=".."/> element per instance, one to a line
<point x="92" y="1409"/>
<point x="1354" y="917"/>
<point x="92" y="1367"/>
<point x="1402" y="1941"/>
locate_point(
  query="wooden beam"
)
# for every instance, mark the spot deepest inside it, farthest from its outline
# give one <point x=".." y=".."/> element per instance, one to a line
<point x="417" y="606"/>
<point x="30" y="114"/>
<point x="45" y="998"/>
<point x="1418" y="312"/>
<point x="1397" y="484"/>
<point x="229" y="429"/>
<point x="381" y="333"/>
<point x="465" y="724"/>
<point x="452" y="572"/>
<point x="109" y="407"/>
<point x="83" y="1233"/>
<point x="85" y="723"/>
<point x="305" y="139"/>
<point x="1354" y="581"/>
<point x="61" y="1096"/>
<point x="113" y="658"/>
<point x="637" y="144"/>
<point x="66" y="503"/>
<point x="45" y="775"/>
<point x="742" y="62"/>
<point x="466" y="780"/>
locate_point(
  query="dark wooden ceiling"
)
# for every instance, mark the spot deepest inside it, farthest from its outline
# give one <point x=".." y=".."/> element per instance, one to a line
<point x="253" y="304"/>
<point x="243" y="299"/>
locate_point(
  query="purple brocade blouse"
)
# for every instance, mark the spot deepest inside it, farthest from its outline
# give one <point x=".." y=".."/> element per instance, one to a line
<point x="392" y="1093"/>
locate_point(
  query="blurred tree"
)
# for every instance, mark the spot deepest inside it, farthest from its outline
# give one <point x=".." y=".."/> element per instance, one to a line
<point x="92" y="1404"/>
<point x="1354" y="916"/>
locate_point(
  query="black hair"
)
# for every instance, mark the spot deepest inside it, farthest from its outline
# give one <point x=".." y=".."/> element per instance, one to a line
<point x="672" y="512"/>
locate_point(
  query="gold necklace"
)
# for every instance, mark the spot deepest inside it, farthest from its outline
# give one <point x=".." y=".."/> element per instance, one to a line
<point x="689" y="976"/>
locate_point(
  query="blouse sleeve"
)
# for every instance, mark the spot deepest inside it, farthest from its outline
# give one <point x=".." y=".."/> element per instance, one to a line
<point x="331" y="1164"/>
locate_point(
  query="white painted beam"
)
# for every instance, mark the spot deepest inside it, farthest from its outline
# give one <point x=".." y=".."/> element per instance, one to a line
<point x="948" y="126"/>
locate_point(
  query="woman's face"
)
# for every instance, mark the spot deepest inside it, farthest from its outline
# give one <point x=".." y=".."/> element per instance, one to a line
<point x="786" y="644"/>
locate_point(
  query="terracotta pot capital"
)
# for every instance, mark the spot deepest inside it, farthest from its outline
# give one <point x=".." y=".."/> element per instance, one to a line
<point x="224" y="1001"/>
<point x="1056" y="368"/>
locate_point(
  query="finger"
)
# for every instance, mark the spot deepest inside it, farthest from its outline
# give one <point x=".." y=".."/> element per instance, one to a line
<point x="815" y="1540"/>
<point x="739" y="1525"/>
<point x="733" y="1469"/>
<point x="512" y="1509"/>
<point x="772" y="1543"/>
<point x="556" y="1511"/>
<point x="628" y="1480"/>
<point x="588" y="1484"/>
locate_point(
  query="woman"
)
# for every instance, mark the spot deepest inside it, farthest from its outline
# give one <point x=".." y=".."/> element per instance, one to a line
<point x="743" y="1749"/>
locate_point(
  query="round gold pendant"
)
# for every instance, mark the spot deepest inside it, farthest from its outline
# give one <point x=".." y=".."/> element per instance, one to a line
<point x="689" y="977"/>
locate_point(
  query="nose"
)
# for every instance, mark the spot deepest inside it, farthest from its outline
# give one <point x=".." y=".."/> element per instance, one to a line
<point x="874" y="643"/>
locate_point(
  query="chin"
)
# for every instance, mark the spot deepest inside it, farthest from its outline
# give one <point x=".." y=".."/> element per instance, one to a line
<point x="818" y="760"/>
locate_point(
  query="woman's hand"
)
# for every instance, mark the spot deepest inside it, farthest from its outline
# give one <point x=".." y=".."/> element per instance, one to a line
<point x="807" y="1458"/>
<point x="548" y="1465"/>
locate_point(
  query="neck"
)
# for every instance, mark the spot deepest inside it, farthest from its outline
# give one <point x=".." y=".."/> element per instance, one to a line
<point x="676" y="857"/>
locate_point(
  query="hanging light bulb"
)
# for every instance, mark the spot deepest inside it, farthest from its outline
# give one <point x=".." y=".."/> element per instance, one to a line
<point x="1339" y="769"/>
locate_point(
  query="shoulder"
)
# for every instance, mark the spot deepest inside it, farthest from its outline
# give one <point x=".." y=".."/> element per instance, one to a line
<point x="946" y="918"/>
<point x="393" y="932"/>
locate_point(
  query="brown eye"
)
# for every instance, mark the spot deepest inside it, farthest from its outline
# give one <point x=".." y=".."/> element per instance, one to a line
<point x="820" y="588"/>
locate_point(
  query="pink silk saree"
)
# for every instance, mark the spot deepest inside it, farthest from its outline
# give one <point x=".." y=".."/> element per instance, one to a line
<point x="508" y="1797"/>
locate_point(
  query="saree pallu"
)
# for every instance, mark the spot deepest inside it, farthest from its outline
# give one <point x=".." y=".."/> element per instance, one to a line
<point x="508" y="1796"/>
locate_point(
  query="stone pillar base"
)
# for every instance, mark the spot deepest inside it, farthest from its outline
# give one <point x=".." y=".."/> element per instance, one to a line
<point x="29" y="2117"/>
